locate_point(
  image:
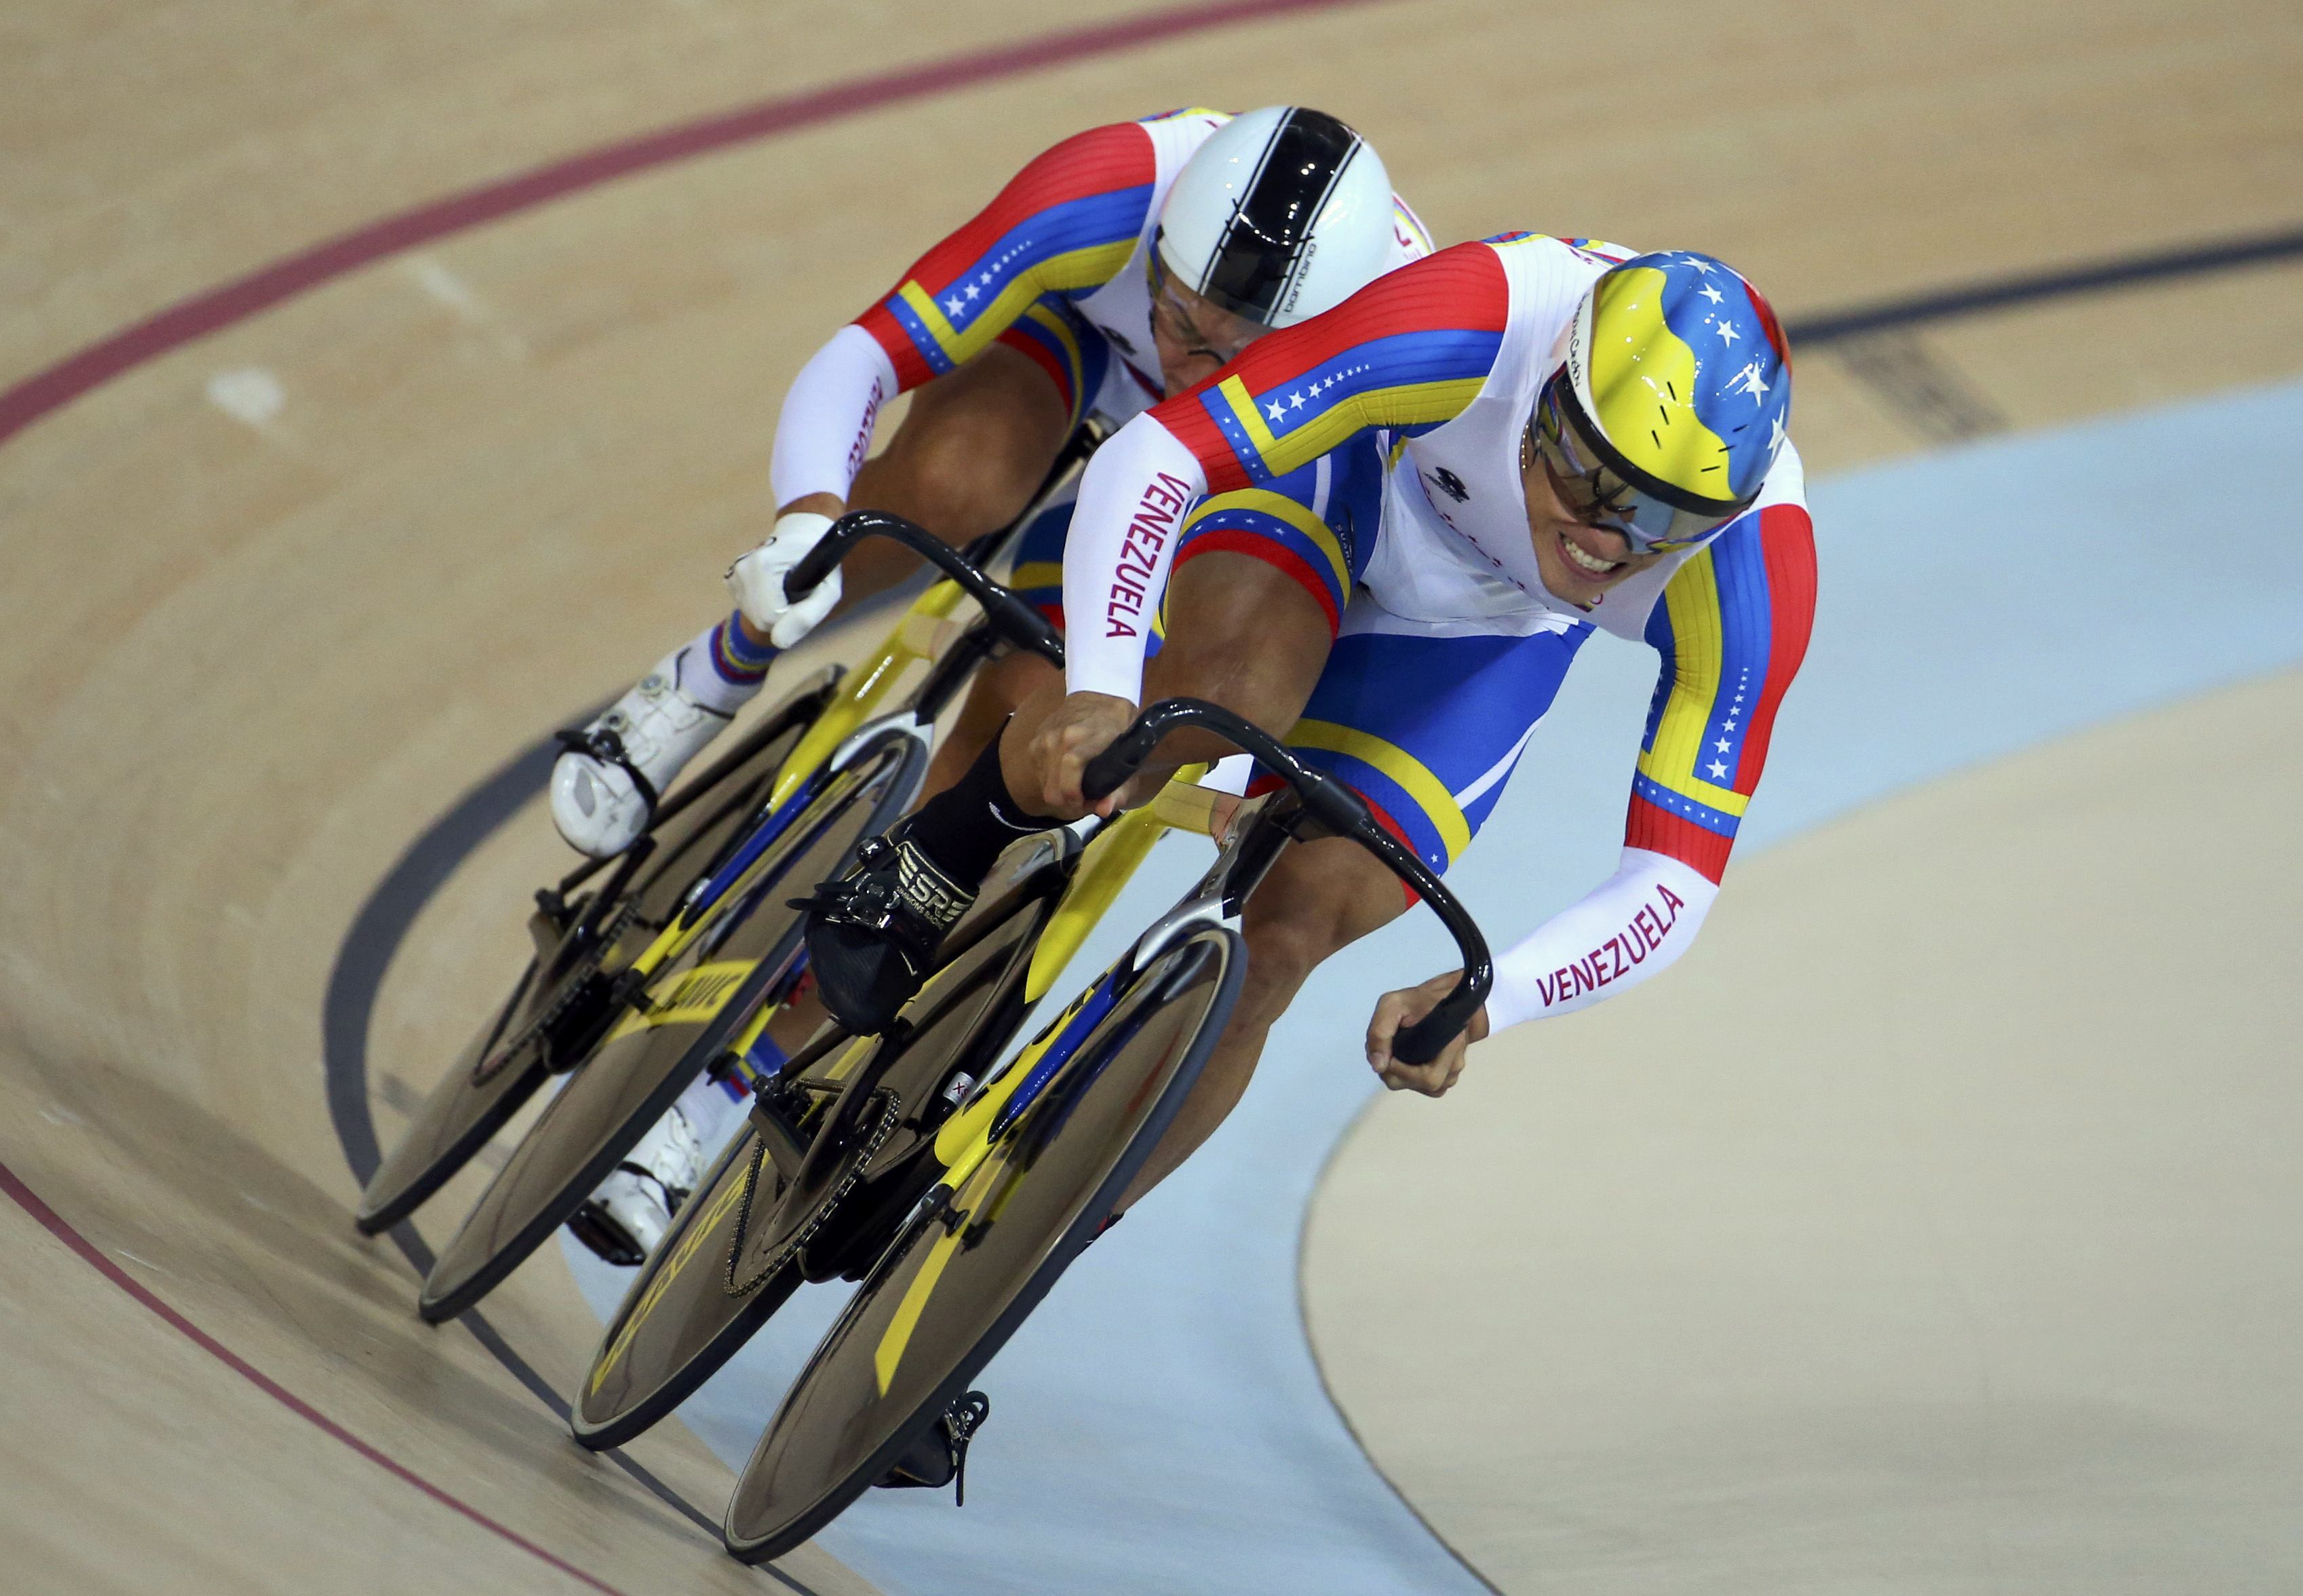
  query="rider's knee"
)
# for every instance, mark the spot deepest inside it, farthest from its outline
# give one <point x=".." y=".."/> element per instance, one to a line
<point x="1319" y="899"/>
<point x="1285" y="942"/>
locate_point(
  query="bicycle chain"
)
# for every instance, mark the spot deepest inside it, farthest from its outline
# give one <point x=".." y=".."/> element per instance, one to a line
<point x="783" y="1254"/>
<point x="572" y="985"/>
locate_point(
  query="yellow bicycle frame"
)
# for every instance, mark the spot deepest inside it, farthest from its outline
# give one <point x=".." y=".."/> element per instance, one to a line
<point x="925" y="630"/>
<point x="1110" y="859"/>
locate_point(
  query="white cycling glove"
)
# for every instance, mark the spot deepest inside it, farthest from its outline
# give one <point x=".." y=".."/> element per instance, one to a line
<point x="757" y="580"/>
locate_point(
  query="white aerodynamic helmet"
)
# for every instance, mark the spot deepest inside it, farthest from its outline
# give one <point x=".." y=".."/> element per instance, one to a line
<point x="1282" y="214"/>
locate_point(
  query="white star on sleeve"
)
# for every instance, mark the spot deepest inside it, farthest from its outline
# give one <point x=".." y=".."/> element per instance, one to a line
<point x="1717" y="769"/>
<point x="1296" y="401"/>
<point x="1278" y="411"/>
<point x="953" y="305"/>
<point x="972" y="290"/>
<point x="1721" y="745"/>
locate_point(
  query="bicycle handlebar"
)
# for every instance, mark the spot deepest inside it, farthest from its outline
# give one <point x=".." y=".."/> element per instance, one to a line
<point x="1014" y="620"/>
<point x="1344" y="812"/>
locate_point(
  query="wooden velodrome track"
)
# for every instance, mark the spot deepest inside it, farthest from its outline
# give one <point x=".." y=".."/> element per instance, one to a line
<point x="292" y="564"/>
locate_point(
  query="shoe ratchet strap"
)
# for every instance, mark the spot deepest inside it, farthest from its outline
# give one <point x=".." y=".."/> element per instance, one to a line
<point x="871" y="898"/>
<point x="605" y="745"/>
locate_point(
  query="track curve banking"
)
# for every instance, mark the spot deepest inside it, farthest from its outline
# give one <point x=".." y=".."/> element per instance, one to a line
<point x="323" y="496"/>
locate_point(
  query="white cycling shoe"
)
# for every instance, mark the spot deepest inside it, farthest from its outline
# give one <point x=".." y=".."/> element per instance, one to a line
<point x="623" y="1221"/>
<point x="605" y="786"/>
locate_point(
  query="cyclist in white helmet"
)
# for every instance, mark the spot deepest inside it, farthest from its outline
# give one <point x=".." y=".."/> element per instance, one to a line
<point x="1117" y="269"/>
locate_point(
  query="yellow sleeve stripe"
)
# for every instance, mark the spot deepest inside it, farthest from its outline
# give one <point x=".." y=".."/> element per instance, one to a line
<point x="1411" y="775"/>
<point x="1076" y="268"/>
<point x="1036" y="574"/>
<point x="1282" y="508"/>
<point x="1699" y="641"/>
<point x="1040" y="316"/>
<point x="1407" y="404"/>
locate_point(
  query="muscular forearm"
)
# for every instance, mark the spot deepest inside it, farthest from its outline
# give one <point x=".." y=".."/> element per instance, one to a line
<point x="1632" y="926"/>
<point x="826" y="428"/>
<point x="1132" y="503"/>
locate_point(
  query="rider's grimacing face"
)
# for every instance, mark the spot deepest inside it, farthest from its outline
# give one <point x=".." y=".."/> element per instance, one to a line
<point x="1577" y="560"/>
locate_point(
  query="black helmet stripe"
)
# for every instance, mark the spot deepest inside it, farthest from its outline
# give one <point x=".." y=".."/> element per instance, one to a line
<point x="1261" y="252"/>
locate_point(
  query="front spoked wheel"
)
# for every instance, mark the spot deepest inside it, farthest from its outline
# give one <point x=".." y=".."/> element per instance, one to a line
<point x="690" y="1012"/>
<point x="818" y="1182"/>
<point x="562" y="1002"/>
<point x="964" y="1274"/>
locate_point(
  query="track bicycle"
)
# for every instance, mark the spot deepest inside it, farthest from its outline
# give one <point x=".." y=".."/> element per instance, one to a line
<point x="958" y="1200"/>
<point x="585" y="946"/>
<point x="665" y="944"/>
<point x="836" y="1149"/>
<point x="732" y="954"/>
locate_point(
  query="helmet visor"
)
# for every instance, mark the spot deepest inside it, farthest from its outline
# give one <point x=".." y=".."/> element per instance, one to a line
<point x="1600" y="488"/>
<point x="1184" y="324"/>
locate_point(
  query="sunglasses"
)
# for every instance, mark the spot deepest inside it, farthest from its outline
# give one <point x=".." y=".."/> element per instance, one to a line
<point x="1599" y="485"/>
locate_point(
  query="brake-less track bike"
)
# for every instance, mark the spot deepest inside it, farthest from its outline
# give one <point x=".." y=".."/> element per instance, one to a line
<point x="959" y="1212"/>
<point x="836" y="1151"/>
<point x="640" y="983"/>
<point x="585" y="946"/>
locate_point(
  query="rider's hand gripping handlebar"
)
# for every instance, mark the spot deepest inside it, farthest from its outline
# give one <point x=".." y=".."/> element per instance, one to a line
<point x="1343" y="812"/>
<point x="1010" y="616"/>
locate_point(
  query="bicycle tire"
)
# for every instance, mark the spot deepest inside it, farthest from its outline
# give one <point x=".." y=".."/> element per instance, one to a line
<point x="489" y="1083"/>
<point x="649" y="1057"/>
<point x="707" y="1288"/>
<point x="953" y="1288"/>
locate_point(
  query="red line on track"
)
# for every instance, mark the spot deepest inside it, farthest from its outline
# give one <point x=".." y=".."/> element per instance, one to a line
<point x="27" y="1200"/>
<point x="243" y="297"/>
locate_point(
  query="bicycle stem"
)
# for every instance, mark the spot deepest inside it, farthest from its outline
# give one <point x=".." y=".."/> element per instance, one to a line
<point x="1340" y="809"/>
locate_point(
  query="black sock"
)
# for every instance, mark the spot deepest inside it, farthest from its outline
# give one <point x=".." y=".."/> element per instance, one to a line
<point x="963" y="828"/>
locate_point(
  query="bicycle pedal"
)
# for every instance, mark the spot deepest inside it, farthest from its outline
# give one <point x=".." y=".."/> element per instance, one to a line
<point x="938" y="1456"/>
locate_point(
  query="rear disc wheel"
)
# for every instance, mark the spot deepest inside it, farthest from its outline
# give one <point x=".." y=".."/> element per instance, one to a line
<point x="959" y="1281"/>
<point x="695" y="1008"/>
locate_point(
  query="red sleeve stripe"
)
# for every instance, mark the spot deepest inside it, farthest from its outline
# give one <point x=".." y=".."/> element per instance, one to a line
<point x="912" y="367"/>
<point x="1787" y="544"/>
<point x="1701" y="850"/>
<point x="1256" y="545"/>
<point x="1101" y="161"/>
<point x="1435" y="318"/>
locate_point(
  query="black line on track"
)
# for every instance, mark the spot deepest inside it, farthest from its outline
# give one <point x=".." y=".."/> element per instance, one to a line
<point x="2192" y="261"/>
<point x="362" y="957"/>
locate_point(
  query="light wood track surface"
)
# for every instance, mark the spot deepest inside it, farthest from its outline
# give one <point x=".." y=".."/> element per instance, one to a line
<point x="274" y="599"/>
<point x="1932" y="1228"/>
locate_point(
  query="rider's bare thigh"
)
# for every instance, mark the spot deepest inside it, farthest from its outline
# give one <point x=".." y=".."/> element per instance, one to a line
<point x="974" y="449"/>
<point x="1239" y="633"/>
